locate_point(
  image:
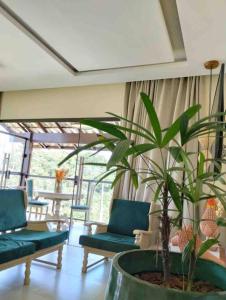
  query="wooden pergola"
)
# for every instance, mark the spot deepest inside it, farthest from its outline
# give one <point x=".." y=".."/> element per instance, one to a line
<point x="50" y="134"/>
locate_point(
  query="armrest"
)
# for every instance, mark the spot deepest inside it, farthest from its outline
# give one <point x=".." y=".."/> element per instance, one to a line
<point x="100" y="227"/>
<point x="48" y="221"/>
<point x="42" y="225"/>
<point x="143" y="238"/>
<point x="138" y="231"/>
<point x="94" y="223"/>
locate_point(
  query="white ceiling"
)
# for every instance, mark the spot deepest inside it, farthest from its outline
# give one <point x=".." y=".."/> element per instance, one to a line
<point x="107" y="41"/>
<point x="22" y="63"/>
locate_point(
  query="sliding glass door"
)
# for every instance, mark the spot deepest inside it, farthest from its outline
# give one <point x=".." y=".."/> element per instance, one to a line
<point x="11" y="159"/>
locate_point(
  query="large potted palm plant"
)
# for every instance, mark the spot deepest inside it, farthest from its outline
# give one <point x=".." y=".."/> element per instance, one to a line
<point x="165" y="179"/>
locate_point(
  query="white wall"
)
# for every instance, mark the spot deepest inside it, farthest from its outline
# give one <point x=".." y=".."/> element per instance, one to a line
<point x="73" y="102"/>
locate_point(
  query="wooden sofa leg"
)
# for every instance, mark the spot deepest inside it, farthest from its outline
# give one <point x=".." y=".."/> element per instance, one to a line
<point x="85" y="261"/>
<point x="27" y="273"/>
<point x="59" y="258"/>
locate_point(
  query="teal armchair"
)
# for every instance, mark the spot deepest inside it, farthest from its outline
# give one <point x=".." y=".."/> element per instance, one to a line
<point x="130" y="227"/>
<point x="22" y="241"/>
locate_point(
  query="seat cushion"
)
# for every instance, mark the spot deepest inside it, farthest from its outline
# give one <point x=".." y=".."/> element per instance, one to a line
<point x="80" y="207"/>
<point x="10" y="250"/>
<point x="108" y="241"/>
<point x="38" y="203"/>
<point x="127" y="215"/>
<point x="12" y="209"/>
<point x="41" y="239"/>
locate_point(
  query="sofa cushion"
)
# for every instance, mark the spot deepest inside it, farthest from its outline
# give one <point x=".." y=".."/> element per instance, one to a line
<point x="108" y="241"/>
<point x="127" y="215"/>
<point x="10" y="250"/>
<point x="41" y="239"/>
<point x="12" y="209"/>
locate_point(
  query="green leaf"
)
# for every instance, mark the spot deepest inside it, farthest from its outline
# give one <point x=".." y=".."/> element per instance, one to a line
<point x="176" y="222"/>
<point x="171" y="133"/>
<point x="206" y="245"/>
<point x="220" y="178"/>
<point x="188" y="249"/>
<point x="183" y="129"/>
<point x="117" y="178"/>
<point x="176" y="126"/>
<point x="111" y="146"/>
<point x="221" y="222"/>
<point x="134" y="178"/>
<point x="150" y="178"/>
<point x="198" y="189"/>
<point x="176" y="153"/>
<point x="118" y="153"/>
<point x="157" y="192"/>
<point x="179" y="169"/>
<point x="106" y="174"/>
<point x="134" y="124"/>
<point x="201" y="162"/>
<point x="105" y="127"/>
<point x="189" y="167"/>
<point x="149" y="137"/>
<point x="98" y="151"/>
<point x="174" y="192"/>
<point x="152" y="117"/>
<point x="139" y="149"/>
<point x="207" y="175"/>
<point x="80" y="149"/>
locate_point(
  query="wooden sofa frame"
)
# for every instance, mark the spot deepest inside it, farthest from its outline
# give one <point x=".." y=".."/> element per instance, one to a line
<point x="27" y="260"/>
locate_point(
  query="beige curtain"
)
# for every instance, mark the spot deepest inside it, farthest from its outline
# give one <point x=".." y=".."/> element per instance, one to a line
<point x="171" y="97"/>
<point x="0" y="104"/>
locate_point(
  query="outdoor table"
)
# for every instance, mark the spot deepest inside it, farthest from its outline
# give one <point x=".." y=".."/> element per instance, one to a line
<point x="57" y="198"/>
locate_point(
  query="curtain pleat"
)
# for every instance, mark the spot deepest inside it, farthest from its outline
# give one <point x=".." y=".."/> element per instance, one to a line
<point x="171" y="97"/>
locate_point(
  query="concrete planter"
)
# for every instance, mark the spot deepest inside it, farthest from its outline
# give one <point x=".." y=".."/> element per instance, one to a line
<point x="124" y="286"/>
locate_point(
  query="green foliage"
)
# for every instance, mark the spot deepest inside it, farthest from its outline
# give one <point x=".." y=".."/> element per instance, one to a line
<point x="206" y="245"/>
<point x="105" y="127"/>
<point x="174" y="192"/>
<point x="119" y="153"/>
<point x="221" y="222"/>
<point x="164" y="177"/>
<point x="190" y="246"/>
<point x="152" y="117"/>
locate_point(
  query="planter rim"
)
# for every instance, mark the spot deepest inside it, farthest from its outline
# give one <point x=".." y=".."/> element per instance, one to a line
<point x="126" y="274"/>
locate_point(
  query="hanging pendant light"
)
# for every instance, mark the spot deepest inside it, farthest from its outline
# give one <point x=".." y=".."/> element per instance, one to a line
<point x="206" y="141"/>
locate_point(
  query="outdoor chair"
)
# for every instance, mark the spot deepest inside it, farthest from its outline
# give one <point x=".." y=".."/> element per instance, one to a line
<point x="131" y="226"/>
<point x="38" y="205"/>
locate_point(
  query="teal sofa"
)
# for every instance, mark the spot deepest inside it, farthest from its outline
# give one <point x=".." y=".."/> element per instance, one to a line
<point x="22" y="241"/>
<point x="130" y="227"/>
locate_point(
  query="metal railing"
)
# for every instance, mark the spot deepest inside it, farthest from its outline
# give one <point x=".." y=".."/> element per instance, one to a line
<point x="102" y="192"/>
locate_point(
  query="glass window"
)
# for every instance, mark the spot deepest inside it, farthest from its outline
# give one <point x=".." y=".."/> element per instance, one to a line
<point x="11" y="159"/>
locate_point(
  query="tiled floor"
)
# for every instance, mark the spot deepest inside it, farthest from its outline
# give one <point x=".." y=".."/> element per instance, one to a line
<point x="49" y="284"/>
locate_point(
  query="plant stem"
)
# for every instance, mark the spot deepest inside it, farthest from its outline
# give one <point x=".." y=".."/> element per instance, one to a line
<point x="165" y="237"/>
<point x="192" y="263"/>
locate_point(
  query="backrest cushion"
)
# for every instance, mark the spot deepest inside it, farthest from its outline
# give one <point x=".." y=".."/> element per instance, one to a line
<point x="30" y="188"/>
<point x="127" y="215"/>
<point x="12" y="209"/>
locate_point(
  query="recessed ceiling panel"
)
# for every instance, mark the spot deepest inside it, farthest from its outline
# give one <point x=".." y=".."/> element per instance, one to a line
<point x="100" y="34"/>
<point x="204" y="29"/>
<point x="22" y="62"/>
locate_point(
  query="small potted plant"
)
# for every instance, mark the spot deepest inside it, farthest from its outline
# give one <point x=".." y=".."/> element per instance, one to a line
<point x="164" y="178"/>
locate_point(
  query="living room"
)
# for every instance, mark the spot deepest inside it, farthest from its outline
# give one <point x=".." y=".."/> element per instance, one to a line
<point x="112" y="156"/>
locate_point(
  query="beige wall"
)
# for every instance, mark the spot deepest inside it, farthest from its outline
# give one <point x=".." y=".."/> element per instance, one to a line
<point x="73" y="102"/>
